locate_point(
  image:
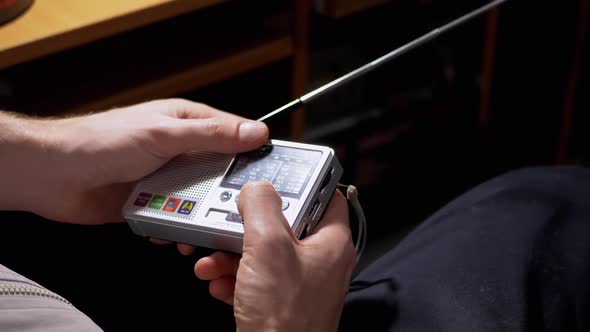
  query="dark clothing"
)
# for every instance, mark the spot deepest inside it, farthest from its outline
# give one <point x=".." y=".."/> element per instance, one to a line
<point x="513" y="254"/>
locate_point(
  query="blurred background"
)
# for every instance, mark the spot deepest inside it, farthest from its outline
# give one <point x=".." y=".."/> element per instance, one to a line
<point x="504" y="91"/>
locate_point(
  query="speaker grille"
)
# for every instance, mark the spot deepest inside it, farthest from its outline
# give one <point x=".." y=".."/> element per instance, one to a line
<point x="190" y="176"/>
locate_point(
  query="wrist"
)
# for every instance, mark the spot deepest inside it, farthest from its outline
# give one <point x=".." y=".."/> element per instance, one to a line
<point x="294" y="324"/>
<point x="292" y="321"/>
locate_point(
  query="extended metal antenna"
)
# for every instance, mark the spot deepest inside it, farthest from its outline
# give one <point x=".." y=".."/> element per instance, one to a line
<point x="376" y="63"/>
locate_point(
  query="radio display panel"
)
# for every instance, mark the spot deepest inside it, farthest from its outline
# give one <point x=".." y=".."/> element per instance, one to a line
<point x="288" y="169"/>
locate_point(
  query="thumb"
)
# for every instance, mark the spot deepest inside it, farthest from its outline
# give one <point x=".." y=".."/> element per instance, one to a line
<point x="228" y="134"/>
<point x="264" y="222"/>
<point x="194" y="126"/>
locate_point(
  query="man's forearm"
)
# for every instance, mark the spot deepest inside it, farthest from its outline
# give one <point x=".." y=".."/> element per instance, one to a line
<point x="22" y="163"/>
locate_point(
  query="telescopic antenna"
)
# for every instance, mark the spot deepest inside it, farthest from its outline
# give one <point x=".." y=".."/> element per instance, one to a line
<point x="382" y="60"/>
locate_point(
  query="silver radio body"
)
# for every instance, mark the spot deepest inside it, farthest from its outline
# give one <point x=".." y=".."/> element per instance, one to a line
<point x="192" y="199"/>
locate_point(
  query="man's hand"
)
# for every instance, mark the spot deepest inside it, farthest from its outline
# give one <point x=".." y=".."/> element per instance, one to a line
<point x="281" y="283"/>
<point x="82" y="169"/>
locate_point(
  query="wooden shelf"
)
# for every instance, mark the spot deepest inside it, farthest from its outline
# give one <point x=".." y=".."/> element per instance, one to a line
<point x="199" y="75"/>
<point x="341" y="8"/>
<point x="158" y="61"/>
<point x="50" y="26"/>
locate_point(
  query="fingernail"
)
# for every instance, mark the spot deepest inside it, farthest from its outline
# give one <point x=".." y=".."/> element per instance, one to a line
<point x="252" y="131"/>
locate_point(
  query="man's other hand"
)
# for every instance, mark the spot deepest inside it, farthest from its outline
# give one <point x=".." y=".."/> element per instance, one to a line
<point x="281" y="283"/>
